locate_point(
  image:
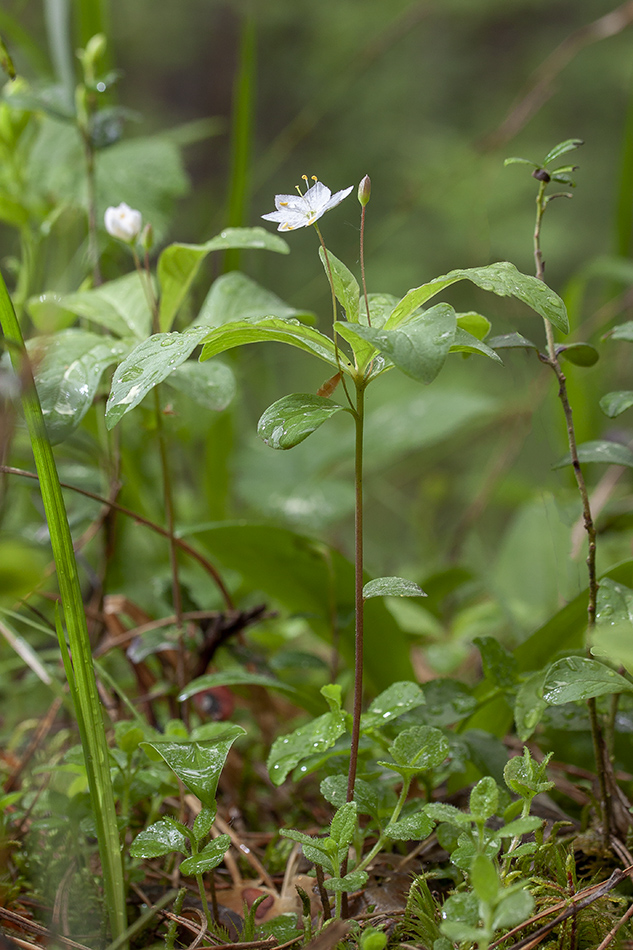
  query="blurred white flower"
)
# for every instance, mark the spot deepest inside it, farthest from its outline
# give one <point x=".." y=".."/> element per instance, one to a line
<point x="123" y="223"/>
<point x="298" y="211"/>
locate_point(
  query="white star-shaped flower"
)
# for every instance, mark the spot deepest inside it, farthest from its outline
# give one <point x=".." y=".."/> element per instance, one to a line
<point x="298" y="211"/>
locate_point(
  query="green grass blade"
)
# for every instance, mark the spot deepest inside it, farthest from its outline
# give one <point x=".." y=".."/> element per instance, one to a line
<point x="89" y="715"/>
<point x="241" y="140"/>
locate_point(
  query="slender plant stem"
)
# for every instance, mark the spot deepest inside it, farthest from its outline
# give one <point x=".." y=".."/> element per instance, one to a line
<point x="362" y="262"/>
<point x="552" y="360"/>
<point x="88" y="708"/>
<point x="359" y="603"/>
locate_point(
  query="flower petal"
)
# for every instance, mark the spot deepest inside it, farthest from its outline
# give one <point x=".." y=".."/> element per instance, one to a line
<point x="317" y="196"/>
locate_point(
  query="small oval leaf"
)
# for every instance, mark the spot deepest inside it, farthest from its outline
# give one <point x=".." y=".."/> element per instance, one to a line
<point x="613" y="453"/>
<point x="293" y="418"/>
<point x="392" y="587"/>
<point x="581" y="354"/>
<point x="208" y="858"/>
<point x="577" y="678"/>
<point x="160" y="838"/>
<point x="614" y="403"/>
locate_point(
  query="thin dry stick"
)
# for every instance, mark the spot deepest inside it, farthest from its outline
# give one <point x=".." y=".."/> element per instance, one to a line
<point x="115" y="506"/>
<point x="581" y="900"/>
<point x="614" y="930"/>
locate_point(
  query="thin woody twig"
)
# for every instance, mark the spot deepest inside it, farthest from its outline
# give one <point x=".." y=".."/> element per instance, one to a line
<point x="115" y="506"/>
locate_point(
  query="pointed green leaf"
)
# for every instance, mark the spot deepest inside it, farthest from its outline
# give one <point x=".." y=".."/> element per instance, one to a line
<point x="392" y="587"/>
<point x="148" y="364"/>
<point x="511" y="341"/>
<point x="346" y="286"/>
<point x="208" y="858"/>
<point x="614" y="403"/>
<point x="119" y="305"/>
<point x="178" y="264"/>
<point x="272" y="329"/>
<point x="577" y="678"/>
<point x="465" y="342"/>
<point x="515" y="160"/>
<point x="343" y="824"/>
<point x="521" y="826"/>
<point x="581" y="354"/>
<point x="234" y="296"/>
<point x="316" y="736"/>
<point x="396" y="700"/>
<point x="211" y="386"/>
<point x="203" y="822"/>
<point x="237" y="676"/>
<point x="160" y="838"/>
<point x="613" y="453"/>
<point x="484" y="798"/>
<point x="68" y="369"/>
<point x="502" y="279"/>
<point x="567" y="146"/>
<point x="529" y="705"/>
<point x="485" y="879"/>
<point x="419" y="349"/>
<point x="198" y="764"/>
<point x="293" y="418"/>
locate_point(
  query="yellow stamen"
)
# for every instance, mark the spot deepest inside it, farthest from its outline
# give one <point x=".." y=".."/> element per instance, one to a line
<point x="314" y="178"/>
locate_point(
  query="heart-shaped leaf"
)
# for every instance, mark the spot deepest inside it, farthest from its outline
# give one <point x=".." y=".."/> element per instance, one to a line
<point x="198" y="764"/>
<point x="293" y="418"/>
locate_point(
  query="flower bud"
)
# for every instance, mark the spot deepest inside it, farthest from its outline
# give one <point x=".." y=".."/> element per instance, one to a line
<point x="123" y="223"/>
<point x="146" y="239"/>
<point x="364" y="190"/>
